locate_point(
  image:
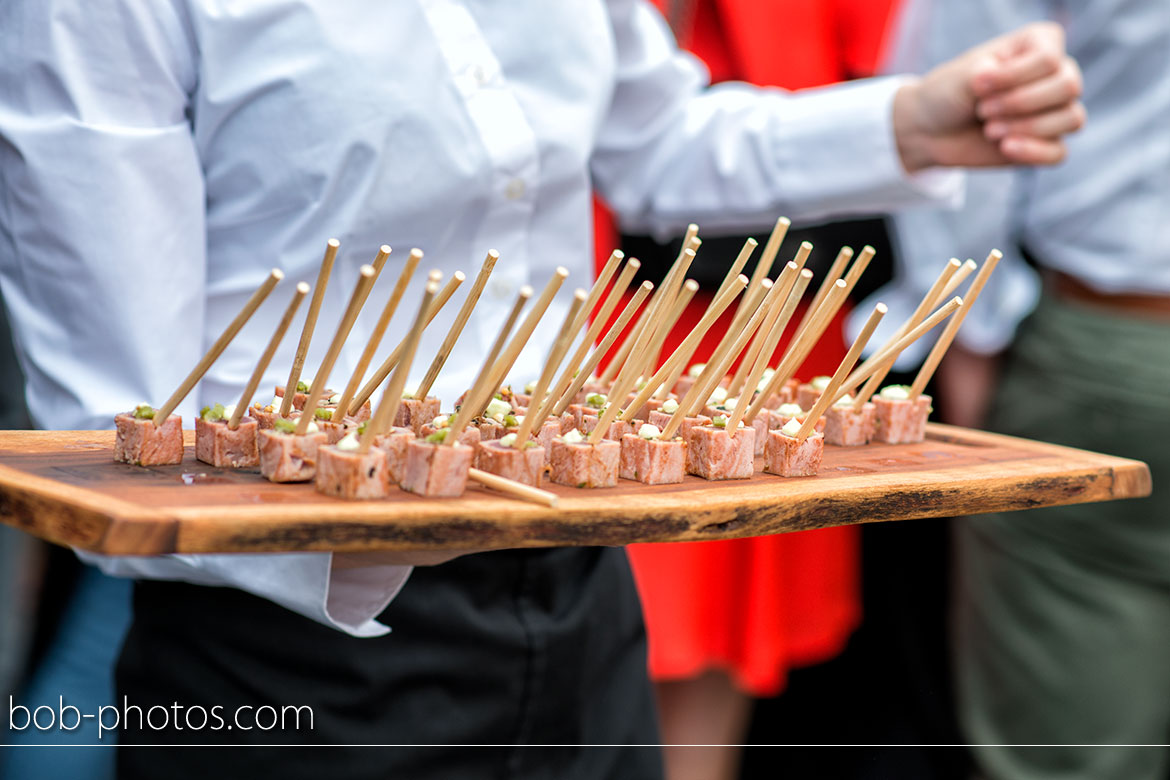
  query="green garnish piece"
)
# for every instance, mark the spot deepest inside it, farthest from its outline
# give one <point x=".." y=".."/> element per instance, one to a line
<point x="281" y="425"/>
<point x="498" y="396"/>
<point x="530" y="444"/>
<point x="362" y="428"/>
<point x="596" y="400"/>
<point x="510" y="420"/>
<point x="302" y="387"/>
<point x="144" y="412"/>
<point x="323" y="414"/>
<point x="213" y="413"/>
<point x="438" y="437"/>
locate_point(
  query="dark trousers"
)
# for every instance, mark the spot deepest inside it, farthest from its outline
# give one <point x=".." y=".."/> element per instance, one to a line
<point x="508" y="648"/>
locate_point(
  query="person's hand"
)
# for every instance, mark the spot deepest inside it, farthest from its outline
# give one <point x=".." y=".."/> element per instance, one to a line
<point x="1009" y="101"/>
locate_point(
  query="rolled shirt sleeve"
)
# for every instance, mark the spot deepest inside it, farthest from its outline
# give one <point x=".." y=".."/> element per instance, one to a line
<point x="732" y="157"/>
<point x="103" y="261"/>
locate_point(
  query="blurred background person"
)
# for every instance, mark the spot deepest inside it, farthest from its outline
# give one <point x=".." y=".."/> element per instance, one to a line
<point x="1062" y="615"/>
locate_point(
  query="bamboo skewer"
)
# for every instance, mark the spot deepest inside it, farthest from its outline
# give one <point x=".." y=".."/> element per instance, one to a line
<point x="384" y="415"/>
<point x="839" y="376"/>
<point x="948" y="335"/>
<point x="768" y="256"/>
<point x="687" y="347"/>
<point x="555" y="355"/>
<point x="787" y="277"/>
<point x="924" y="307"/>
<point x="831" y="276"/>
<point x="221" y="343"/>
<point x="360" y="291"/>
<point x="412" y="261"/>
<point x="611" y="335"/>
<point x="569" y="372"/>
<point x="661" y="332"/>
<point x="523" y="334"/>
<point x="463" y="414"/>
<point x="302" y="289"/>
<point x="890" y="354"/>
<point x="662" y="296"/>
<point x="960" y="276"/>
<point x="599" y="285"/>
<point x="715" y="368"/>
<point x="767" y="337"/>
<point x="514" y="489"/>
<point x="801" y="345"/>
<point x="294" y="376"/>
<point x="733" y="273"/>
<point x="456" y="330"/>
<point x="628" y="379"/>
<point x="388" y="364"/>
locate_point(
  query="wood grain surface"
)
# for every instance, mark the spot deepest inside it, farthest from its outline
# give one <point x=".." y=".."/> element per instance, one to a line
<point x="65" y="487"/>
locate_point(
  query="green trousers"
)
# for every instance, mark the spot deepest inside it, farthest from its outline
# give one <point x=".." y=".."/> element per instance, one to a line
<point x="1062" y="618"/>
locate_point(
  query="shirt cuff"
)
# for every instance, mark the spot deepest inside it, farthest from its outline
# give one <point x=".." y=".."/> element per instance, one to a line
<point x="346" y="599"/>
<point x="856" y="121"/>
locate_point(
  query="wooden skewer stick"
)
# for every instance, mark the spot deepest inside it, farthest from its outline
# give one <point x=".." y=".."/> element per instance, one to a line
<point x="787" y="277"/>
<point x="464" y="414"/>
<point x="948" y="335"/>
<point x="960" y="275"/>
<point x="765" y="356"/>
<point x="299" y="294"/>
<point x="733" y="273"/>
<point x="661" y="298"/>
<point x="831" y="276"/>
<point x="481" y="280"/>
<point x="924" y="307"/>
<point x="801" y="345"/>
<point x="514" y="489"/>
<point x="750" y="301"/>
<point x="520" y="340"/>
<point x="599" y="285"/>
<point x="767" y="337"/>
<point x="768" y="256"/>
<point x="360" y="291"/>
<point x="379" y="330"/>
<point x="225" y="338"/>
<point x="383" y="416"/>
<point x="555" y="355"/>
<point x="611" y="336"/>
<point x="294" y="376"/>
<point x="716" y="367"/>
<point x="569" y="372"/>
<point x="685" y="349"/>
<point x="628" y="379"/>
<point x="850" y="359"/>
<point x="887" y="356"/>
<point x="661" y="331"/>
<point x="389" y="363"/>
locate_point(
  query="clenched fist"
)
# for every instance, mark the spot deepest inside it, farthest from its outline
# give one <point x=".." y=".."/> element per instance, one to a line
<point x="1009" y="101"/>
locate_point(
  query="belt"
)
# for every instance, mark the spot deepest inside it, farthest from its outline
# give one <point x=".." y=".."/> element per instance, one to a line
<point x="1069" y="288"/>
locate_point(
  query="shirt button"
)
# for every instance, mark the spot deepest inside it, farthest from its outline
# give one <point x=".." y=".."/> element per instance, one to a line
<point x="515" y="189"/>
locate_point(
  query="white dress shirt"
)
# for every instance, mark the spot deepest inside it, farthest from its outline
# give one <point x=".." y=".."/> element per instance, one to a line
<point x="158" y="158"/>
<point x="1103" y="216"/>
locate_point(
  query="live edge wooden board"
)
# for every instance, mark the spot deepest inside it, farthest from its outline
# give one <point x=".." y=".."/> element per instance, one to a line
<point x="65" y="487"/>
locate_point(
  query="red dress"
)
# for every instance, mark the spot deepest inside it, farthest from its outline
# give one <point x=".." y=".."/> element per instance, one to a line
<point x="760" y="606"/>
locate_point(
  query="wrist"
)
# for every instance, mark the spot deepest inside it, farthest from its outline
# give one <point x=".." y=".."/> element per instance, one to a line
<point x="912" y="141"/>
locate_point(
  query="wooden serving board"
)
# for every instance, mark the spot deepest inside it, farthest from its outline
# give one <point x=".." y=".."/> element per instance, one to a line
<point x="65" y="487"/>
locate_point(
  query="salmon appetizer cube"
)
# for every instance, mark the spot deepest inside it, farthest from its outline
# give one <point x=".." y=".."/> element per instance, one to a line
<point x="138" y="441"/>
<point x="219" y="445"/>
<point x="351" y="474"/>
<point x="715" y="453"/>
<point x="653" y="461"/>
<point x="585" y="465"/>
<point x="787" y="456"/>
<point x="436" y="469"/>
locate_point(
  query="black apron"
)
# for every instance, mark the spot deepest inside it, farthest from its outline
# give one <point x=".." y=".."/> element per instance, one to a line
<point x="509" y="648"/>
